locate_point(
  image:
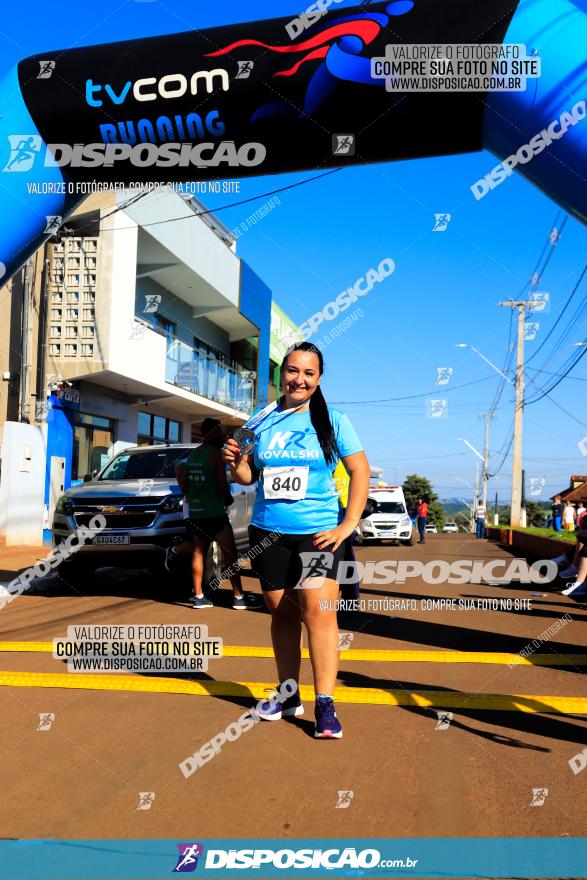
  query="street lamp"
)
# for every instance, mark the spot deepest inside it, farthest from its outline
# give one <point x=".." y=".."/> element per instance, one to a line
<point x="487" y="361"/>
<point x="472" y="448"/>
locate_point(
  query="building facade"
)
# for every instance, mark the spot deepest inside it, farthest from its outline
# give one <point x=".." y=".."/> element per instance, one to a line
<point x="130" y="327"/>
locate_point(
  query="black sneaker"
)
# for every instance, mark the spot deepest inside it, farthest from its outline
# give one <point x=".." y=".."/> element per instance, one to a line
<point x="274" y="711"/>
<point x="201" y="602"/>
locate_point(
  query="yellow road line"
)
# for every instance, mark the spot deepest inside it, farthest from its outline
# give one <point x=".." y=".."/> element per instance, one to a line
<point x="257" y="690"/>
<point x="382" y="656"/>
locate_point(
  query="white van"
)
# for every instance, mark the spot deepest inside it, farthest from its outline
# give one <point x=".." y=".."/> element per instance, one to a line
<point x="389" y="520"/>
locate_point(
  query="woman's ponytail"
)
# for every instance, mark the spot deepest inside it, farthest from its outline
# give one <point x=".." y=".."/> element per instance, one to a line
<point x="319" y="415"/>
<point x="321" y="423"/>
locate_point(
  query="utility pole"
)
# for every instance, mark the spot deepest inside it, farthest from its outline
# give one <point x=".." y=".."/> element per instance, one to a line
<point x="516" y="509"/>
<point x="485" y="477"/>
<point x="475" y="498"/>
<point x="24" y="365"/>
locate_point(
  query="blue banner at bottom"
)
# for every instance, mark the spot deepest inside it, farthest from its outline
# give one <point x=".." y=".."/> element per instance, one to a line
<point x="516" y="857"/>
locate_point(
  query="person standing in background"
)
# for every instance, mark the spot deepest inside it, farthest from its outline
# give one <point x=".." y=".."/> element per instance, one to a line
<point x="202" y="479"/>
<point x="557" y="514"/>
<point x="569" y="517"/>
<point x="480" y="521"/>
<point x="422" y="516"/>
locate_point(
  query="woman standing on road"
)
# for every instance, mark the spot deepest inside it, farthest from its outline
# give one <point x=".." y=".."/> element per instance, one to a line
<point x="569" y="517"/>
<point x="296" y="525"/>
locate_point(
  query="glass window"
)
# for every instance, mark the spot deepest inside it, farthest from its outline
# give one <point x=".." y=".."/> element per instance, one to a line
<point x="55" y="332"/>
<point x="162" y="323"/>
<point x="87" y="350"/>
<point x="94" y="421"/>
<point x="55" y="350"/>
<point x="90" y="450"/>
<point x="71" y="332"/>
<point x="71" y="314"/>
<point x="152" y="429"/>
<point x="71" y="350"/>
<point x="214" y="354"/>
<point x="145" y="465"/>
<point x="144" y="424"/>
<point x="159" y="427"/>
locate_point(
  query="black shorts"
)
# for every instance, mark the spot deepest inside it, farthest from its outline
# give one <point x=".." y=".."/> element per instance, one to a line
<point x="278" y="561"/>
<point x="206" y="529"/>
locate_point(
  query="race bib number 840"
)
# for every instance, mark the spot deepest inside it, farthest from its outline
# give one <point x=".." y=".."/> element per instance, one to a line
<point x="285" y="483"/>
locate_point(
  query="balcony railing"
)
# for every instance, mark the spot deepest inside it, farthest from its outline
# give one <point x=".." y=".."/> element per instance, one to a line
<point x="198" y="372"/>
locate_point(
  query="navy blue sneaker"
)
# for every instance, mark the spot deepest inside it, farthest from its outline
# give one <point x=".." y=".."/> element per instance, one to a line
<point x="327" y="724"/>
<point x="274" y="711"/>
<point x="578" y="592"/>
<point x="202" y="601"/>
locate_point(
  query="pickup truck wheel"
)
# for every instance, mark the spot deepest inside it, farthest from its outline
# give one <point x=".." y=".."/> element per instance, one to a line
<point x="409" y="542"/>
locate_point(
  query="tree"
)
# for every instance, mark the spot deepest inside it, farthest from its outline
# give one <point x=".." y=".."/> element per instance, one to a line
<point x="416" y="487"/>
<point x="536" y="514"/>
<point x="436" y="514"/>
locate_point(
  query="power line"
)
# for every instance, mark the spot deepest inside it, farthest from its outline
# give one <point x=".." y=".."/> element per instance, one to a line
<point x="560" y="379"/>
<point x="410" y="396"/>
<point x="554" y="326"/>
<point x="226" y="207"/>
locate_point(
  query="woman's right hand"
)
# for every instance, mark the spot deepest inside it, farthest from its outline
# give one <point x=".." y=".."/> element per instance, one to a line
<point x="231" y="453"/>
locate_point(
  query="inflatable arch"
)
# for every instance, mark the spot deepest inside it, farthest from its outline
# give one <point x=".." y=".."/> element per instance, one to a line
<point x="270" y="96"/>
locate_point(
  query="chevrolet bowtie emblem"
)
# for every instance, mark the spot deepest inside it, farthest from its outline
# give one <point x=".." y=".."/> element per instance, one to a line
<point x="112" y="509"/>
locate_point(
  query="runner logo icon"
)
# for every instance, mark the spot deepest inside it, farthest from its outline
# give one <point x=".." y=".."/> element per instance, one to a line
<point x="315" y="565"/>
<point x="24" y="149"/>
<point x="187" y="859"/>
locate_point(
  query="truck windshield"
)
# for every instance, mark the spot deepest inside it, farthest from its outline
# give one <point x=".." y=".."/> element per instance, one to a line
<point x="390" y="507"/>
<point x="144" y="465"/>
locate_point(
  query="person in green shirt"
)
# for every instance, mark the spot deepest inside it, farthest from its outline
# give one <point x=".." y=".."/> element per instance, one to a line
<point x="202" y="479"/>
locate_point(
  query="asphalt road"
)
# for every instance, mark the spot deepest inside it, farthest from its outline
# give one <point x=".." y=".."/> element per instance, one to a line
<point x="410" y="775"/>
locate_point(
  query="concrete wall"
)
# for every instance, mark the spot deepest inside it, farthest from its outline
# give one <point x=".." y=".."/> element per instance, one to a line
<point x="255" y="304"/>
<point x="190" y="240"/>
<point x="22" y="484"/>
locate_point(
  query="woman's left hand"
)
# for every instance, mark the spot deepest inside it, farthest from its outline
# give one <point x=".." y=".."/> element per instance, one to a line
<point x="331" y="539"/>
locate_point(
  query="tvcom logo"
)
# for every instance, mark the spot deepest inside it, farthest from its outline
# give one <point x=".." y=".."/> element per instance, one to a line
<point x="172" y="85"/>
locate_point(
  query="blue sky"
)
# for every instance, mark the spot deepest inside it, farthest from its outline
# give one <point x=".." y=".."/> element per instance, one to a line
<point x="445" y="289"/>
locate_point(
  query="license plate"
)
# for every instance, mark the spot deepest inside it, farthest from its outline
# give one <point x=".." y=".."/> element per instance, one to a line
<point x="388" y="532"/>
<point x="112" y="539"/>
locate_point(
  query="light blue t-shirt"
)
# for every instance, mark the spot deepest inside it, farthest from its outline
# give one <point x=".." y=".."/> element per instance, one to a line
<point x="290" y="439"/>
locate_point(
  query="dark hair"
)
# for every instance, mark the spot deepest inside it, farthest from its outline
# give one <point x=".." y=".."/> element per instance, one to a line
<point x="208" y="425"/>
<point x="319" y="414"/>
